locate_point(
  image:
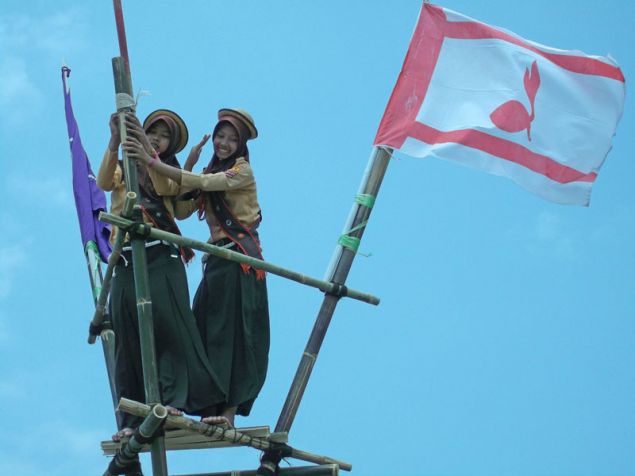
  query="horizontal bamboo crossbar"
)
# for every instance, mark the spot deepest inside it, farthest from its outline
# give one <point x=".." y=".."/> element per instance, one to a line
<point x="325" y="286"/>
<point x="178" y="439"/>
<point x="232" y="435"/>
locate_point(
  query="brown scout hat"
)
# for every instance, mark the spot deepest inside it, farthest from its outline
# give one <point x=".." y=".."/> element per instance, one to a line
<point x="242" y="116"/>
<point x="182" y="134"/>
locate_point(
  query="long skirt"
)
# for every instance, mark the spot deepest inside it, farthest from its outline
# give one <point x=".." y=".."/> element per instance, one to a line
<point x="186" y="379"/>
<point x="232" y="313"/>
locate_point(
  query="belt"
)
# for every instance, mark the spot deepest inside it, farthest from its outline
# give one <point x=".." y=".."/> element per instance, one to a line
<point x="126" y="251"/>
<point x="224" y="243"/>
<point x="149" y="244"/>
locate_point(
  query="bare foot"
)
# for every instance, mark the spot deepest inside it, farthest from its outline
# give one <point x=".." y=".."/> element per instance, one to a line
<point x="173" y="411"/>
<point x="123" y="433"/>
<point x="217" y="420"/>
<point x="229" y="413"/>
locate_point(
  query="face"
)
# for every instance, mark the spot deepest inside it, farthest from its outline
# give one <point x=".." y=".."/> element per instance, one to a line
<point x="159" y="136"/>
<point x="225" y="141"/>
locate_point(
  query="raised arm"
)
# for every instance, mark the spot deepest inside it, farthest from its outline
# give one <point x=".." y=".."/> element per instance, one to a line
<point x="239" y="176"/>
<point x="163" y="185"/>
<point x="136" y="151"/>
<point x="107" y="177"/>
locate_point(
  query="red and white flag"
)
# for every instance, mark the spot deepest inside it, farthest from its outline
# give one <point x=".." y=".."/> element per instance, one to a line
<point x="489" y="99"/>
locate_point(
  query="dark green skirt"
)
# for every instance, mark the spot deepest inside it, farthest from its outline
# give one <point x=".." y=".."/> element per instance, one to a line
<point x="232" y="313"/>
<point x="186" y="379"/>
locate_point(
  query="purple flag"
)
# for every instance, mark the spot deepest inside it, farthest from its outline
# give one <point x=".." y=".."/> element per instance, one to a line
<point x="89" y="199"/>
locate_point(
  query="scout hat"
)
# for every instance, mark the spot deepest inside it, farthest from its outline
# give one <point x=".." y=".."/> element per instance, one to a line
<point x="243" y="116"/>
<point x="174" y="122"/>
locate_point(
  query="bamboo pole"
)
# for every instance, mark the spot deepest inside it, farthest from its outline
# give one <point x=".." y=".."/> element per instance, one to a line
<point x="129" y="454"/>
<point x="319" y="470"/>
<point x="100" y="304"/>
<point x="325" y="286"/>
<point x="142" y="282"/>
<point x="125" y="103"/>
<point x="180" y="440"/>
<point x="230" y="434"/>
<point x="338" y="272"/>
<point x="107" y="344"/>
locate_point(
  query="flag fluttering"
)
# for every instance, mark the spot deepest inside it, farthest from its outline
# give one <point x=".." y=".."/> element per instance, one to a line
<point x="89" y="199"/>
<point x="489" y="99"/>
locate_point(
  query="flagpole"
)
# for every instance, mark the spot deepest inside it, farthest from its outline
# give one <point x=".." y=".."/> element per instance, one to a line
<point x="91" y="249"/>
<point x="107" y="335"/>
<point x="125" y="103"/>
<point x="338" y="272"/>
<point x="121" y="34"/>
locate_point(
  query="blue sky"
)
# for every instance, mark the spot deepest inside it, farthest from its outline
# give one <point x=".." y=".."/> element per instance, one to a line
<point x="504" y="343"/>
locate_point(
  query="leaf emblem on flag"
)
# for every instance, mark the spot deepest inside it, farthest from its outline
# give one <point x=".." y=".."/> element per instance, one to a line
<point x="512" y="116"/>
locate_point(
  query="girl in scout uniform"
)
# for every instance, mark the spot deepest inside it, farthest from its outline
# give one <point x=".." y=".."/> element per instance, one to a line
<point x="230" y="305"/>
<point x="186" y="380"/>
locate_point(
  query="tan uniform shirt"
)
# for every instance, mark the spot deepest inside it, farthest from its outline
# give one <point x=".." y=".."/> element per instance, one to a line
<point x="239" y="186"/>
<point x="109" y="179"/>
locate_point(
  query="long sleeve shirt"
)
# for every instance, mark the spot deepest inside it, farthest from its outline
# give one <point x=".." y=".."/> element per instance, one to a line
<point x="110" y="179"/>
<point x="239" y="186"/>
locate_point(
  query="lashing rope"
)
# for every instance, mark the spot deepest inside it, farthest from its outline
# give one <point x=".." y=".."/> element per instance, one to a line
<point x="352" y="242"/>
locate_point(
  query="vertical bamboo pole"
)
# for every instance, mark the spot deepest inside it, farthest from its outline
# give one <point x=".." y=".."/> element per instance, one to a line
<point x="123" y="86"/>
<point x="338" y="272"/>
<point x="107" y="341"/>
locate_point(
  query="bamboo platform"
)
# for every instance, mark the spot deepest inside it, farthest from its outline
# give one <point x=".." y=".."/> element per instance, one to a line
<point x="179" y="439"/>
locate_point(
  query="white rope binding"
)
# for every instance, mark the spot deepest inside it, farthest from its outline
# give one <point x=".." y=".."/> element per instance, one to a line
<point x="125" y="101"/>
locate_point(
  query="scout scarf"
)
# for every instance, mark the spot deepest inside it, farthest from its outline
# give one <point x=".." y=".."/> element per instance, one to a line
<point x="154" y="208"/>
<point x="246" y="238"/>
<point x="152" y="204"/>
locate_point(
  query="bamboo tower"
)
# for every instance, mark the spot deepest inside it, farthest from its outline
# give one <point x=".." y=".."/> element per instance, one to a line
<point x="161" y="432"/>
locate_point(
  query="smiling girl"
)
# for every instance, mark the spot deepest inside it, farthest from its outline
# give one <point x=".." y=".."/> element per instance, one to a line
<point x="186" y="380"/>
<point x="231" y="304"/>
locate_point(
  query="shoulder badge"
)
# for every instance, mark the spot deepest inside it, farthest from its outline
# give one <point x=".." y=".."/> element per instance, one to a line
<point x="233" y="171"/>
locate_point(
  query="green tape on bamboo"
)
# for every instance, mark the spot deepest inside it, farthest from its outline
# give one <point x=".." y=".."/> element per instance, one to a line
<point x="365" y="199"/>
<point x="349" y="242"/>
<point x="352" y="242"/>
